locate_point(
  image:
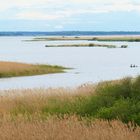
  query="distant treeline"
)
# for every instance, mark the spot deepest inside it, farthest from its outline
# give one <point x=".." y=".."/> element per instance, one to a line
<point x="68" y="33"/>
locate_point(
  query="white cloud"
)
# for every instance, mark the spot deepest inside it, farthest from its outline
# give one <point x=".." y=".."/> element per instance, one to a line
<point x="7" y="4"/>
<point x="122" y="6"/>
<point x="58" y="9"/>
<point x="36" y="15"/>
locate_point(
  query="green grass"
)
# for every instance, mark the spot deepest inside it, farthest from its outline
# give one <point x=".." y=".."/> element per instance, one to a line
<point x="109" y="101"/>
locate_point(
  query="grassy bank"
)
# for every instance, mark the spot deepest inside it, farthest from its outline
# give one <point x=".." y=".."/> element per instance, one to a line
<point x="107" y="100"/>
<point x="91" y="38"/>
<point x="83" y="45"/>
<point x="106" y="111"/>
<point x="13" y="69"/>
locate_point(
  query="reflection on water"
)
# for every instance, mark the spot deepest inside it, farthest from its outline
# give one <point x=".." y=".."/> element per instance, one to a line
<point x="90" y="64"/>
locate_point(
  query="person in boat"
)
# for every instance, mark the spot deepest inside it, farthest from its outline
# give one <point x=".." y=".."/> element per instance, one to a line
<point x="133" y="66"/>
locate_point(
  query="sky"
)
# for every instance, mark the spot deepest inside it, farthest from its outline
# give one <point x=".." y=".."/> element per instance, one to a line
<point x="69" y="15"/>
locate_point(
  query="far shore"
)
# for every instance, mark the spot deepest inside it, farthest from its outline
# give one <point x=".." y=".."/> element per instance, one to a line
<point x="14" y="69"/>
<point x="127" y="38"/>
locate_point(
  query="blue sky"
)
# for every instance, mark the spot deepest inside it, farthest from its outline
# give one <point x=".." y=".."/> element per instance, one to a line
<point x="69" y="15"/>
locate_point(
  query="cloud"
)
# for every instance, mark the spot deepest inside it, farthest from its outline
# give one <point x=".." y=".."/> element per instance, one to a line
<point x="37" y="15"/>
<point x="122" y="7"/>
<point x="58" y="9"/>
<point x="8" y="4"/>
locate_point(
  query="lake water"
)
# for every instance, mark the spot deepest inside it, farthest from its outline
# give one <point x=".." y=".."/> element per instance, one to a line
<point x="90" y="64"/>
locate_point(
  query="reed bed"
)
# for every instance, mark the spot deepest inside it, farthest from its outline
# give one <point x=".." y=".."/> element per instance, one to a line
<point x="13" y="69"/>
<point x="68" y="128"/>
<point x="105" y="111"/>
<point x="16" y="102"/>
<point x="106" y="100"/>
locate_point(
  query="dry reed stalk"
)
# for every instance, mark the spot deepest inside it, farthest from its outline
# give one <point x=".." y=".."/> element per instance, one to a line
<point x="68" y="128"/>
<point x="37" y="98"/>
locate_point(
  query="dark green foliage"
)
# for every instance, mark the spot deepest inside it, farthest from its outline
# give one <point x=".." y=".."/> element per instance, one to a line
<point x="113" y="100"/>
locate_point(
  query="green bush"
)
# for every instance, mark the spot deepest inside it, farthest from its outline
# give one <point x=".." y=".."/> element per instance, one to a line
<point x="117" y="89"/>
<point x="111" y="100"/>
<point x="125" y="110"/>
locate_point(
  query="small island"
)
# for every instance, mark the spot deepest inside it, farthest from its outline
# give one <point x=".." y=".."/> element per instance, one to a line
<point x="83" y="45"/>
<point x="14" y="69"/>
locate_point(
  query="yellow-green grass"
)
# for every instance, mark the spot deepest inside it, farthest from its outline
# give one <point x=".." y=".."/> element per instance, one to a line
<point x="107" y="100"/>
<point x="14" y="69"/>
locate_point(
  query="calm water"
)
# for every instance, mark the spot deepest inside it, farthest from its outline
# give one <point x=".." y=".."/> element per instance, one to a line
<point x="90" y="64"/>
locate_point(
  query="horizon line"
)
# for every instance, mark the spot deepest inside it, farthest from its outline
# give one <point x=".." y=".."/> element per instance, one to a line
<point x="68" y="31"/>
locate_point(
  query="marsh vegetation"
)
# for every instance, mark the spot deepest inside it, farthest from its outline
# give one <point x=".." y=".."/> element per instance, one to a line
<point x="107" y="100"/>
<point x="14" y="69"/>
<point x="108" y="110"/>
<point x="67" y="128"/>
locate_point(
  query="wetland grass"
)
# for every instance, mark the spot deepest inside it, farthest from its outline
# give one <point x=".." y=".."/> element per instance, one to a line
<point x="107" y="100"/>
<point x="68" y="128"/>
<point x="14" y="69"/>
<point x="105" y="111"/>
